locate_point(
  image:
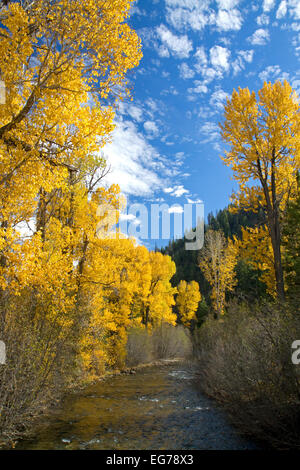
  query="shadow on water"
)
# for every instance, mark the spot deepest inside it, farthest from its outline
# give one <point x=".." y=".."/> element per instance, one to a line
<point x="158" y="408"/>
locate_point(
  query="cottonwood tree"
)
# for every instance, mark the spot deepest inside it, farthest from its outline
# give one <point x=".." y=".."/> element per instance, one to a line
<point x="157" y="306"/>
<point x="217" y="260"/>
<point x="187" y="301"/>
<point x="263" y="132"/>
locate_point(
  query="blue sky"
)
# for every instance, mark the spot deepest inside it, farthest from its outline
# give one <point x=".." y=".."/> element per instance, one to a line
<point x="166" y="146"/>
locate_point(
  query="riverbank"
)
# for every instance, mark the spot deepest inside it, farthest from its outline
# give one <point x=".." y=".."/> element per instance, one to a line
<point x="134" y="369"/>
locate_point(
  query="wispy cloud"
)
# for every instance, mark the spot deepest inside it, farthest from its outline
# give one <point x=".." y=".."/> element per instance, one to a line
<point x="211" y="134"/>
<point x="273" y="73"/>
<point x="135" y="112"/>
<point x="242" y="58"/>
<point x="218" y="98"/>
<point x="191" y="14"/>
<point x="185" y="71"/>
<point x="282" y="10"/>
<point x="170" y="91"/>
<point x="263" y="20"/>
<point x="135" y="164"/>
<point x="151" y="128"/>
<point x="201" y="58"/>
<point x="198" y="14"/>
<point x="176" y="191"/>
<point x="198" y="88"/>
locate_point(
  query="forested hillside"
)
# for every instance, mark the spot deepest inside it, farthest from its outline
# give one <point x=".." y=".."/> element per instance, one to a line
<point x="249" y="286"/>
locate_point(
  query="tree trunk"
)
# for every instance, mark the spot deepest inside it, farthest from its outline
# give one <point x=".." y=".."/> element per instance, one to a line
<point x="41" y="214"/>
<point x="274" y="225"/>
<point x="277" y="234"/>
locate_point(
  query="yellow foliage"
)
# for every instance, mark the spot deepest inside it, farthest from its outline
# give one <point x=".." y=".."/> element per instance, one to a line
<point x="64" y="65"/>
<point x="264" y="136"/>
<point x="255" y="248"/>
<point x="187" y="301"/>
<point x="217" y="261"/>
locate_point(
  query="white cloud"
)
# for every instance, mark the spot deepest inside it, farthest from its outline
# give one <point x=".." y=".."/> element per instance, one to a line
<point x="205" y="112"/>
<point x="263" y="20"/>
<point x="200" y="58"/>
<point x="199" y="88"/>
<point x="210" y="132"/>
<point x="210" y="74"/>
<point x="296" y="85"/>
<point x="152" y="107"/>
<point x="282" y="10"/>
<point x="229" y="20"/>
<point x="268" y="5"/>
<point x="190" y="14"/>
<point x="179" y="46"/>
<point x="175" y="210"/>
<point x="246" y="55"/>
<point x="170" y="91"/>
<point x="198" y="14"/>
<point x="218" y="99"/>
<point x="151" y="128"/>
<point x="176" y="191"/>
<point x="168" y="190"/>
<point x="179" y="191"/>
<point x="135" y="112"/>
<point x="194" y="201"/>
<point x="135" y="165"/>
<point x="227" y="4"/>
<point x="294" y="6"/>
<point x="130" y="217"/>
<point x="273" y="73"/>
<point x="239" y="63"/>
<point x="185" y="71"/>
<point x="260" y="37"/>
<point x="219" y="57"/>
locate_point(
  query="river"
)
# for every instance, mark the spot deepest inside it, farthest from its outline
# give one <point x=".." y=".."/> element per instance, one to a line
<point x="157" y="408"/>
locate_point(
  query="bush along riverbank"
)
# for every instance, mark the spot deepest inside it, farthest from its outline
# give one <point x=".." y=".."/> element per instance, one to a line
<point x="244" y="362"/>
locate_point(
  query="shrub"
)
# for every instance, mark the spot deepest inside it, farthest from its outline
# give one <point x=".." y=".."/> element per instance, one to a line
<point x="139" y="347"/>
<point x="164" y="342"/>
<point x="171" y="342"/>
<point x="245" y="363"/>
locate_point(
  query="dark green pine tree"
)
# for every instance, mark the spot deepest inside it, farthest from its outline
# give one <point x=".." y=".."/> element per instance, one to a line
<point x="291" y="243"/>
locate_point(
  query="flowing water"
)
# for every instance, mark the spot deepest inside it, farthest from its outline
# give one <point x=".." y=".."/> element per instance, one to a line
<point x="157" y="408"/>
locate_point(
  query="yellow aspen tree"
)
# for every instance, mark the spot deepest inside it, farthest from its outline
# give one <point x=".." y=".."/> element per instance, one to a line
<point x="263" y="133"/>
<point x="63" y="64"/>
<point x="217" y="261"/>
<point x="256" y="249"/>
<point x="187" y="301"/>
<point x="158" y="306"/>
